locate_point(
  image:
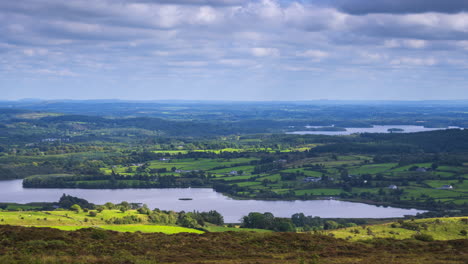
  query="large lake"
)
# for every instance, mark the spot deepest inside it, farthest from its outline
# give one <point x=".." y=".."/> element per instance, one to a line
<point x="204" y="199"/>
<point x="373" y="129"/>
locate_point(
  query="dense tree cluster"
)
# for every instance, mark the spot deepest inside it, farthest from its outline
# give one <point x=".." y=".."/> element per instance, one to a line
<point x="67" y="201"/>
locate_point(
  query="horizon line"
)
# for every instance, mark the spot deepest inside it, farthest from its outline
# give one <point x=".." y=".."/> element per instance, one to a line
<point x="226" y="100"/>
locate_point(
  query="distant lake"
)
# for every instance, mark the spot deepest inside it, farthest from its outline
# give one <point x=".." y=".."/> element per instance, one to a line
<point x="374" y="129"/>
<point x="204" y="199"/>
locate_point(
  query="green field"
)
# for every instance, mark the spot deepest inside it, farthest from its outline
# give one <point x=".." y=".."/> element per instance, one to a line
<point x="438" y="228"/>
<point x="372" y="169"/>
<point x="69" y="220"/>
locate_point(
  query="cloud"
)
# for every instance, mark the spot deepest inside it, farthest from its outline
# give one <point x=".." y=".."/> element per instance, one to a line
<point x="188" y="63"/>
<point x="301" y="69"/>
<point x="265" y="52"/>
<point x="408" y="43"/>
<point x="372" y="57"/>
<point x="35" y="51"/>
<point x="236" y="62"/>
<point x="111" y="40"/>
<point x="194" y="2"/>
<point x="414" y="61"/>
<point x="463" y="44"/>
<point x="314" y="18"/>
<point x="316" y="55"/>
<point x="61" y="73"/>
<point x="431" y="26"/>
<point x="361" y="7"/>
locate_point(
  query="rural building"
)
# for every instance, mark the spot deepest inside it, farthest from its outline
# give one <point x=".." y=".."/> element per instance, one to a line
<point x="312" y="179"/>
<point x="393" y="187"/>
<point x="446" y="187"/>
<point x="421" y="170"/>
<point x="182" y="171"/>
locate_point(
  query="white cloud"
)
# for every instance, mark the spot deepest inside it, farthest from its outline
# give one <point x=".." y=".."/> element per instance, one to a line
<point x="269" y="9"/>
<point x="60" y="73"/>
<point x="372" y="56"/>
<point x="206" y="15"/>
<point x="316" y="55"/>
<point x="235" y="62"/>
<point x="188" y="63"/>
<point x="35" y="52"/>
<point x="313" y="18"/>
<point x="301" y="69"/>
<point x="249" y="36"/>
<point x="406" y="43"/>
<point x="265" y="52"/>
<point x="409" y="61"/>
<point x="416" y="43"/>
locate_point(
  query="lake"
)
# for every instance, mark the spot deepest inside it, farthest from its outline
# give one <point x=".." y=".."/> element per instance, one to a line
<point x="374" y="129"/>
<point x="204" y="199"/>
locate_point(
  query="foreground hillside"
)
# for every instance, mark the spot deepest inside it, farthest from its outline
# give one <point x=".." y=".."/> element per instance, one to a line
<point x="45" y="245"/>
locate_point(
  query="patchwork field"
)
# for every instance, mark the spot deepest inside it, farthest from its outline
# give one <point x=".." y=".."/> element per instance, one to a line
<point x="258" y="175"/>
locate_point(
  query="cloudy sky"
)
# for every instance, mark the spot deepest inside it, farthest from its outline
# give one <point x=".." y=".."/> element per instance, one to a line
<point x="234" y="49"/>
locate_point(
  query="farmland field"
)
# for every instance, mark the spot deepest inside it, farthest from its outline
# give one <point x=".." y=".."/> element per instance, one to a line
<point x="437" y="228"/>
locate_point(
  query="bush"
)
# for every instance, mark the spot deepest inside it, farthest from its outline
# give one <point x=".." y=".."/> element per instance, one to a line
<point x="76" y="208"/>
<point x="36" y="245"/>
<point x="424" y="237"/>
<point x="56" y="244"/>
<point x="99" y="234"/>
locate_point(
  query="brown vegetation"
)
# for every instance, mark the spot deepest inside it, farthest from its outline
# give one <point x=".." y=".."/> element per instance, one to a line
<point x="46" y="245"/>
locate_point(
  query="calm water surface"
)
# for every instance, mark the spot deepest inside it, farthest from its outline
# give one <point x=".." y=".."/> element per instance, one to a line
<point x="374" y="129"/>
<point x="204" y="199"/>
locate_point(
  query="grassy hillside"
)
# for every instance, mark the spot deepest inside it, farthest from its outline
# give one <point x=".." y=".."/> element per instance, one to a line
<point x="45" y="245"/>
<point x="70" y="220"/>
<point x="438" y="228"/>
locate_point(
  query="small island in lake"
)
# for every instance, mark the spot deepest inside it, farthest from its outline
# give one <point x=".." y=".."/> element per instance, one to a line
<point x="395" y="130"/>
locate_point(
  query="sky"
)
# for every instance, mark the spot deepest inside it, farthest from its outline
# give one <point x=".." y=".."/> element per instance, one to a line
<point x="234" y="49"/>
